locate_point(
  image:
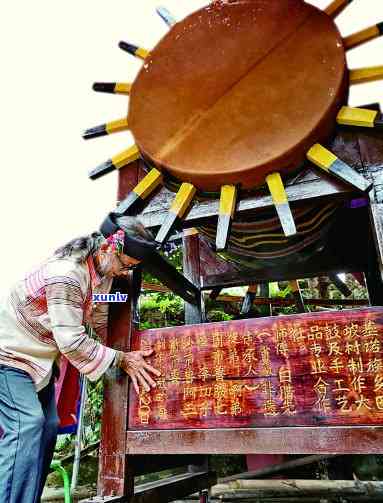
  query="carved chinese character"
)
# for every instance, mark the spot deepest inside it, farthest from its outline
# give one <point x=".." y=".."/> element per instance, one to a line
<point x="219" y="373"/>
<point x="202" y="341"/>
<point x="343" y="403"/>
<point x="318" y="366"/>
<point x="352" y="347"/>
<point x="205" y="391"/>
<point x="372" y="346"/>
<point x="340" y="387"/>
<point x="174" y="376"/>
<point x="163" y="413"/>
<point x="369" y="329"/>
<point x="189" y="409"/>
<point x="188" y="359"/>
<point x="284" y="374"/>
<point x="315" y="334"/>
<point x="204" y="373"/>
<point x="250" y="361"/>
<point x="379" y="402"/>
<point x="316" y="349"/>
<point x="204" y="408"/>
<point x="160" y="345"/>
<point x="265" y="361"/>
<point x="334" y="348"/>
<point x="190" y="392"/>
<point x="323" y="403"/>
<point x="359" y="384"/>
<point x="217" y="339"/>
<point x="186" y="342"/>
<point x="173" y="346"/>
<point x="336" y="365"/>
<point x="218" y="357"/>
<point x="375" y="365"/>
<point x="378" y="383"/>
<point x="235" y="408"/>
<point x="350" y="331"/>
<point x="361" y="402"/>
<point x="287" y="396"/>
<point x="189" y="376"/>
<point x="355" y="366"/>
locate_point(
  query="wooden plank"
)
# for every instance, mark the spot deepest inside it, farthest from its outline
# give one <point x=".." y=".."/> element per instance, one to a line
<point x="289" y="440"/>
<point x="299" y="370"/>
<point x="173" y="488"/>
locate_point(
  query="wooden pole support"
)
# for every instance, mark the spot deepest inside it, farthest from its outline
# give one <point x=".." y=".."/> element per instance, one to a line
<point x="368" y="74"/>
<point x="249" y="299"/>
<point x="363" y="36"/>
<point x="327" y="161"/>
<point x="106" y="129"/>
<point x="118" y="161"/>
<point x="226" y="213"/>
<point x="281" y="203"/>
<point x="249" y="489"/>
<point x="141" y="191"/>
<point x="297" y="294"/>
<point x="176" y="211"/>
<point x="359" y="117"/>
<point x="134" y="50"/>
<point x="112" y="87"/>
<point x="166" y="16"/>
<point x="336" y="7"/>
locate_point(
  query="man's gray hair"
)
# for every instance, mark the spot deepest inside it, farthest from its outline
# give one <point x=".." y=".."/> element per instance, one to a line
<point x="80" y="248"/>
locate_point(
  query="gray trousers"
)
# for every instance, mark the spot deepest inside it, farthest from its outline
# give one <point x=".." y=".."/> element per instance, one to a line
<point x="28" y="432"/>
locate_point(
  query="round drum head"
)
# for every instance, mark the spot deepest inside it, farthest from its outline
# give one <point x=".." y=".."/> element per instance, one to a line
<point x="239" y="89"/>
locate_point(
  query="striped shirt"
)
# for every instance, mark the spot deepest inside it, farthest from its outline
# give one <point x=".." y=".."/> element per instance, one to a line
<point x="44" y="315"/>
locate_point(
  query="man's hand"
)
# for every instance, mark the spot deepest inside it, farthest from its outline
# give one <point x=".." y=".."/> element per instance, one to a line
<point x="135" y="366"/>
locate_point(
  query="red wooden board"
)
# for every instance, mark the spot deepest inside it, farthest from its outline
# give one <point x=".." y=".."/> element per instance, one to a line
<point x="298" y="370"/>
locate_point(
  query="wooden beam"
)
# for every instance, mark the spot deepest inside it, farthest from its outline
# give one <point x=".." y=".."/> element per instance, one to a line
<point x="173" y="488"/>
<point x="250" y="489"/>
<point x="279" y="468"/>
<point x="311" y="187"/>
<point x="287" y="440"/>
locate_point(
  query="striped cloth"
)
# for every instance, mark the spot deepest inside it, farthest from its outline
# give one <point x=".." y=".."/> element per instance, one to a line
<point x="44" y="314"/>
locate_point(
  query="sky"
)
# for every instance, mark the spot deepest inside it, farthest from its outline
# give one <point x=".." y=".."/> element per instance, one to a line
<point x="51" y="53"/>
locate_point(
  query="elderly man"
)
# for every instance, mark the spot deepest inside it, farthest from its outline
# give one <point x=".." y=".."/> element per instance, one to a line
<point x="43" y="316"/>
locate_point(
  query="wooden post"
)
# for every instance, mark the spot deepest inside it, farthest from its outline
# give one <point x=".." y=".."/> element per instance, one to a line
<point x="192" y="271"/>
<point x="193" y="313"/>
<point x="116" y="478"/>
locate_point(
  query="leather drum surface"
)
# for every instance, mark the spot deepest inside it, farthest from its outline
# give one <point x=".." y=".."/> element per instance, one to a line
<point x="238" y="90"/>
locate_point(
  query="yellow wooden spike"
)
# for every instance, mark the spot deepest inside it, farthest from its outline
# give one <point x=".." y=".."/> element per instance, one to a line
<point x="329" y="162"/>
<point x="363" y="36"/>
<point x="118" y="161"/>
<point x="141" y="191"/>
<point x="108" y="128"/>
<point x="226" y="212"/>
<point x="360" y="117"/>
<point x="279" y="196"/>
<point x="177" y="210"/>
<point x="369" y="74"/>
<point x="112" y="87"/>
<point x="336" y="7"/>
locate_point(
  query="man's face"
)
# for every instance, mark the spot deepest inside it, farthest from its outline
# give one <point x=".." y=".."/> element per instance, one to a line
<point x="122" y="264"/>
<point x="111" y="265"/>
